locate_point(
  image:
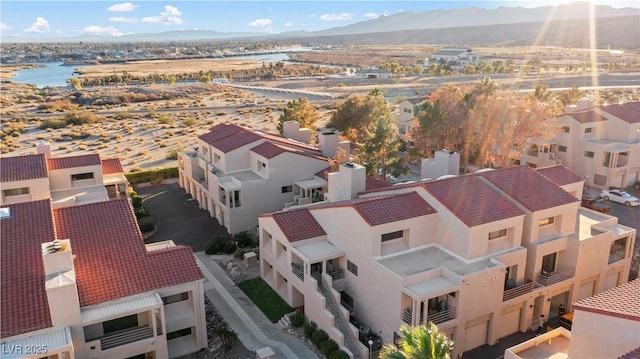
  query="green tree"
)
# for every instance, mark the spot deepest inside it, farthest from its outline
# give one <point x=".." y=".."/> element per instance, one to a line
<point x="357" y="113"/>
<point x="379" y="150"/>
<point x="421" y="342"/>
<point x="541" y="93"/>
<point x="571" y="96"/>
<point x="300" y="111"/>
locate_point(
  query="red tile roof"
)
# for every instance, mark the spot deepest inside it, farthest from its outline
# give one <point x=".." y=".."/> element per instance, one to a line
<point x="560" y="175"/>
<point x="111" y="165"/>
<point x="221" y="131"/>
<point x="529" y="188"/>
<point x="111" y="260"/>
<point x="22" y="168"/>
<point x="229" y="137"/>
<point x="268" y="150"/>
<point x="472" y="200"/>
<point x="298" y="224"/>
<point x="374" y="183"/>
<point x="629" y="112"/>
<point x="23" y="298"/>
<point x="387" y="209"/>
<point x="621" y="302"/>
<point x="73" y="161"/>
<point x="586" y="116"/>
<point x="634" y="354"/>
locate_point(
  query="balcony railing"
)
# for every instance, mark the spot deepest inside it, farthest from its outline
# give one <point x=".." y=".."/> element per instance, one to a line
<point x="125" y="336"/>
<point x="336" y="273"/>
<point x="443" y="316"/>
<point x="296" y="268"/>
<point x="549" y="278"/>
<point x="521" y="288"/>
<point x="407" y="316"/>
<point x="616" y="256"/>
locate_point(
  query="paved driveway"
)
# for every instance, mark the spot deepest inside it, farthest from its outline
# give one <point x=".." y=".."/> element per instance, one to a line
<point x="177" y="217"/>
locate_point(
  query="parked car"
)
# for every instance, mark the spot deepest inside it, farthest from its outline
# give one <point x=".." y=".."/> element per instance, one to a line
<point x="620" y="196"/>
<point x="594" y="204"/>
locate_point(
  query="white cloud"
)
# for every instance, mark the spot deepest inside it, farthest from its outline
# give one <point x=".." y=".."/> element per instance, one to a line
<point x="124" y="7"/>
<point x="374" y="15"/>
<point x="130" y="20"/>
<point x="288" y="24"/>
<point x="41" y="26"/>
<point x="99" y="30"/>
<point x="4" y="26"/>
<point x="170" y="16"/>
<point x="336" y="17"/>
<point x="260" y="23"/>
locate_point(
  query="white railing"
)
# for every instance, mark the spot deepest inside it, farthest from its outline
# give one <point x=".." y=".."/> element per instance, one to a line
<point x="549" y="278"/>
<point x="521" y="288"/>
<point x="125" y="336"/>
<point x="442" y="316"/>
<point x="616" y="256"/>
<point x="407" y="316"/>
<point x="296" y="269"/>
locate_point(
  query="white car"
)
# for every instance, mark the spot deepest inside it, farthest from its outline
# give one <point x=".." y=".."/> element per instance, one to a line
<point x="619" y="196"/>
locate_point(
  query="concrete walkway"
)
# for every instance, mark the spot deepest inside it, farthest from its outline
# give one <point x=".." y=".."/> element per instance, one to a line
<point x="254" y="330"/>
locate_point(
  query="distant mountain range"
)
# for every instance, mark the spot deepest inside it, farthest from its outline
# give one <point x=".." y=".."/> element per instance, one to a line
<point x="561" y="25"/>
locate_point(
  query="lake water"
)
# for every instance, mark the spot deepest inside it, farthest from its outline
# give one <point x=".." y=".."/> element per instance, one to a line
<point x="52" y="74"/>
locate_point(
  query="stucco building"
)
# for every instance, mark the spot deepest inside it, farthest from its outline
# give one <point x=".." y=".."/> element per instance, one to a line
<point x="455" y="57"/>
<point x="237" y="174"/>
<point x="481" y="255"/>
<point x="601" y="143"/>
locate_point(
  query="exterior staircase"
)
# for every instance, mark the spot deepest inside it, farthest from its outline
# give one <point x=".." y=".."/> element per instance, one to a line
<point x="340" y="322"/>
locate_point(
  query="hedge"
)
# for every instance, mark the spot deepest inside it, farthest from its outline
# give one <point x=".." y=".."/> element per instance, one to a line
<point x="154" y="175"/>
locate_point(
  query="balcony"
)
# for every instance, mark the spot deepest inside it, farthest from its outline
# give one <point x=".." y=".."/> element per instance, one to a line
<point x="549" y="278"/>
<point x="407" y="316"/>
<point x="617" y="255"/>
<point x="297" y="269"/>
<point x="442" y="316"/>
<point x="336" y="273"/>
<point x="521" y="288"/>
<point x="125" y="336"/>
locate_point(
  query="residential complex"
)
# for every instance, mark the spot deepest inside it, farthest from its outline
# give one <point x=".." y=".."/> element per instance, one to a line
<point x="77" y="278"/>
<point x="237" y="174"/>
<point x="601" y="143"/>
<point x="405" y="118"/>
<point x="481" y="255"/>
<point x="457" y="58"/>
<point x="606" y="325"/>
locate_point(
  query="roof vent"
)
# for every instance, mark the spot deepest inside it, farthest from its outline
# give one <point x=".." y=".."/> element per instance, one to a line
<point x="5" y="212"/>
<point x="55" y="246"/>
<point x="349" y="164"/>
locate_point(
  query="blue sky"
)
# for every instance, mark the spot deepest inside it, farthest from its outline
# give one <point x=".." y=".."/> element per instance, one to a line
<point x="47" y="19"/>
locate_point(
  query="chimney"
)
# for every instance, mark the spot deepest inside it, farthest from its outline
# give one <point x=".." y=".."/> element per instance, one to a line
<point x="43" y="147"/>
<point x="60" y="283"/>
<point x="347" y="182"/>
<point x="328" y="141"/>
<point x="292" y="130"/>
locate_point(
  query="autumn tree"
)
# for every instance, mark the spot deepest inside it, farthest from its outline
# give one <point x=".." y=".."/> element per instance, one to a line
<point x="300" y="111"/>
<point x="358" y="112"/>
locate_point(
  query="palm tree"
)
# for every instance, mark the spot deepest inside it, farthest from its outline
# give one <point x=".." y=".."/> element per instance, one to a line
<point x="421" y="342"/>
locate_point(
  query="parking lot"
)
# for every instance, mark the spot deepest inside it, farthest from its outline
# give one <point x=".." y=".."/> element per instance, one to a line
<point x="177" y="217"/>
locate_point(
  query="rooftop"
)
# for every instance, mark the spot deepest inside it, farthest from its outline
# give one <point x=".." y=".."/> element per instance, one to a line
<point x="387" y="209"/>
<point x="529" y="188"/>
<point x="298" y="224"/>
<point x="586" y="116"/>
<point x="550" y="345"/>
<point x="471" y="200"/>
<point x="111" y="166"/>
<point x="560" y="175"/>
<point x="629" y="112"/>
<point x="59" y="163"/>
<point x="620" y="302"/>
<point x="22" y="168"/>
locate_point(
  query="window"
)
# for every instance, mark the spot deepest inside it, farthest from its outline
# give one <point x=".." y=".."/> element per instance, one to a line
<point x="498" y="234"/>
<point x="392" y="235"/>
<point x="82" y="176"/>
<point x="599" y="180"/>
<point x="179" y="333"/>
<point x="589" y="154"/>
<point x="606" y="159"/>
<point x="115" y="325"/>
<point x="15" y="191"/>
<point x="623" y="159"/>
<point x="216" y="158"/>
<point x="589" y="130"/>
<point x="351" y="267"/>
<point x="562" y="148"/>
<point x="549" y="263"/>
<point x="402" y="129"/>
<point x="236" y="199"/>
<point x="546" y="221"/>
<point x="406" y="110"/>
<point x="566" y="129"/>
<point x="175" y="298"/>
<point x="284" y="248"/>
<point x="287" y="189"/>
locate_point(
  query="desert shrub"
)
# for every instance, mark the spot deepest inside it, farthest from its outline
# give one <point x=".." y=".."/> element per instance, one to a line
<point x="82" y="117"/>
<point x="309" y="328"/>
<point x="329" y="346"/>
<point x="136" y="202"/>
<point x="142" y="213"/>
<point x="245" y="239"/>
<point x="146" y="224"/>
<point x="59" y="105"/>
<point x="122" y="115"/>
<point x="338" y="354"/>
<point x="220" y="244"/>
<point x="227" y="337"/>
<point x="52" y="123"/>
<point x="189" y="121"/>
<point x="319" y="336"/>
<point x="297" y="319"/>
<point x="166" y="119"/>
<point x="154" y="175"/>
<point x="172" y="154"/>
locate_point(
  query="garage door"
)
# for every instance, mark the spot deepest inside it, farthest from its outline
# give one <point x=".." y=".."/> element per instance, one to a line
<point x="509" y="323"/>
<point x="611" y="281"/>
<point x="476" y="336"/>
<point x="585" y="291"/>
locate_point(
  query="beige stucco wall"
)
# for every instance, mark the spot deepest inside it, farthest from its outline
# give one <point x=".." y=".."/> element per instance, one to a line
<point x="38" y="190"/>
<point x="61" y="179"/>
<point x="602" y="336"/>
